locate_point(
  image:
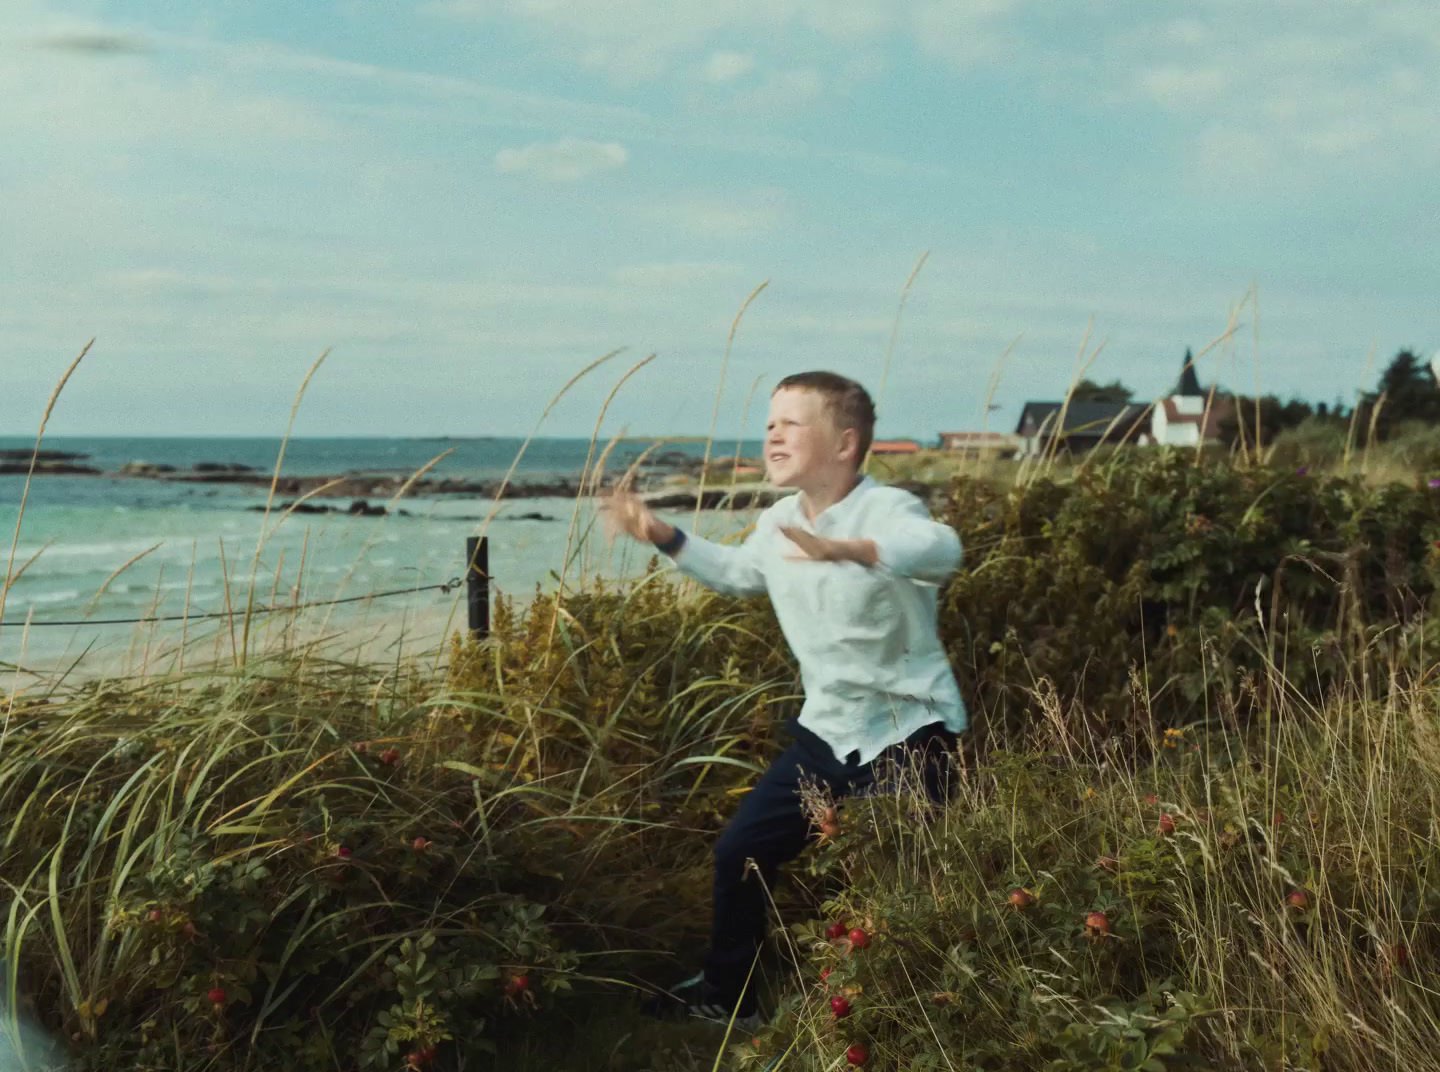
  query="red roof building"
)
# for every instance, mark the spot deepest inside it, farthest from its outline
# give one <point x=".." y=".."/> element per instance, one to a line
<point x="976" y="444"/>
<point x="894" y="446"/>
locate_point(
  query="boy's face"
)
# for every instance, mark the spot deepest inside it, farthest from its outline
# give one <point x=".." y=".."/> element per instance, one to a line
<point x="802" y="441"/>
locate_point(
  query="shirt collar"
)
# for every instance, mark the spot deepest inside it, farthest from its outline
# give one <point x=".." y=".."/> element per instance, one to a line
<point x="849" y="502"/>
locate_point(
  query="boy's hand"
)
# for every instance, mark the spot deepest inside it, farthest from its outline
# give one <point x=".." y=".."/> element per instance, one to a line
<point x="626" y="512"/>
<point x="819" y="549"/>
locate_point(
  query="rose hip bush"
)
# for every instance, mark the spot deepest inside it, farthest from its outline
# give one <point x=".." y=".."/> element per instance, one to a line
<point x="1229" y="941"/>
<point x="1191" y="576"/>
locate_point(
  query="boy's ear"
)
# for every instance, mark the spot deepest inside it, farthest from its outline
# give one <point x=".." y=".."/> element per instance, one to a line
<point x="850" y="445"/>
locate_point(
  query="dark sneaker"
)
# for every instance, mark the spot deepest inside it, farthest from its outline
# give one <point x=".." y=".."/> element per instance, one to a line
<point x="699" y="998"/>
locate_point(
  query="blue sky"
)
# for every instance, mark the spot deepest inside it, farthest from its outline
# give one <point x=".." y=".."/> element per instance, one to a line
<point x="467" y="201"/>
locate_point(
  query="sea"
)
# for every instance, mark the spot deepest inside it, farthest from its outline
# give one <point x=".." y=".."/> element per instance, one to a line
<point x="94" y="551"/>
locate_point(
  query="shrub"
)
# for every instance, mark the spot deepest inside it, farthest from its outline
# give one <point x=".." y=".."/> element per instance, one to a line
<point x="1204" y="957"/>
<point x="1136" y="593"/>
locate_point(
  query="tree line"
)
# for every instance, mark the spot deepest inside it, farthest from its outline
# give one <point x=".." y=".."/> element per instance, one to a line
<point x="1406" y="395"/>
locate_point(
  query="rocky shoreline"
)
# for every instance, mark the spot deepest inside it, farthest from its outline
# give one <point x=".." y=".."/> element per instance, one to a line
<point x="671" y="477"/>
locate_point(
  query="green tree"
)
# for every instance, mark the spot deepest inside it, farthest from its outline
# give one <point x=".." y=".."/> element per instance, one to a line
<point x="1410" y="392"/>
<point x="1090" y="391"/>
<point x="1276" y="415"/>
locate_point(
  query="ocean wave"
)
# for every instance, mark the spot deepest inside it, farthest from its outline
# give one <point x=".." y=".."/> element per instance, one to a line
<point x="119" y="550"/>
<point x="42" y="599"/>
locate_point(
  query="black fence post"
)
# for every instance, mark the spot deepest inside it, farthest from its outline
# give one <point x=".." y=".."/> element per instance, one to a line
<point x="477" y="584"/>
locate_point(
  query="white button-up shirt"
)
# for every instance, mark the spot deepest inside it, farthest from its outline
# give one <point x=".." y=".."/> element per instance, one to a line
<point x="870" y="659"/>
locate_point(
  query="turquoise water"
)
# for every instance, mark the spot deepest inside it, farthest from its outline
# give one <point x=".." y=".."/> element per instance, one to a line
<point x="192" y="538"/>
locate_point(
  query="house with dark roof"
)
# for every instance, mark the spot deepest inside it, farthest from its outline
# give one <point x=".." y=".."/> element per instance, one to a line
<point x="1185" y="417"/>
<point x="1080" y="426"/>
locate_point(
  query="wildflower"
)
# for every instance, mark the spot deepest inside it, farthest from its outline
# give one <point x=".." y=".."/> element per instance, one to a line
<point x="1173" y="738"/>
<point x="1434" y="482"/>
<point x="1302" y="470"/>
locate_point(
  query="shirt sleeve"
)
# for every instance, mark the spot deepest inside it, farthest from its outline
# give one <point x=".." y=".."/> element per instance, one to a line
<point x="734" y="570"/>
<point x="912" y="544"/>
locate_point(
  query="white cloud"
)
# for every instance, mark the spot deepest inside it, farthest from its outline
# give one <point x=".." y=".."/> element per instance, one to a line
<point x="1260" y="96"/>
<point x="566" y="160"/>
<point x="639" y="40"/>
<point x="784" y="90"/>
<point x="1183" y="87"/>
<point x="963" y="32"/>
<point x="732" y="216"/>
<point x="727" y="66"/>
<point x="675" y="274"/>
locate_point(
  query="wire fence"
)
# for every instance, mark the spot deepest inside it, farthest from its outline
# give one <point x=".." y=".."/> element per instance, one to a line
<point x="448" y="586"/>
<point x="477" y="579"/>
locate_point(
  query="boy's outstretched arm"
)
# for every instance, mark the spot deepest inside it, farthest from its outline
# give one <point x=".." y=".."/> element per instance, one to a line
<point x="913" y="544"/>
<point x="910" y="543"/>
<point x="726" y="569"/>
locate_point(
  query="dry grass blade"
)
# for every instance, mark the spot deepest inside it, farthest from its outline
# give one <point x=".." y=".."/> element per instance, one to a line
<point x="269" y="503"/>
<point x="31" y="560"/>
<point x="1255" y="355"/>
<point x="1228" y="334"/>
<point x="719" y="391"/>
<point x="1355" y="413"/>
<point x="30" y="475"/>
<point x="740" y="439"/>
<point x="1082" y="366"/>
<point x="374" y="532"/>
<point x="895" y="329"/>
<point x="121" y="569"/>
<point x="290" y="509"/>
<point x="584" y="474"/>
<point x="499" y="497"/>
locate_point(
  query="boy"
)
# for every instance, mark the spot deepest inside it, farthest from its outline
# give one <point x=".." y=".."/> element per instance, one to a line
<point x="852" y="569"/>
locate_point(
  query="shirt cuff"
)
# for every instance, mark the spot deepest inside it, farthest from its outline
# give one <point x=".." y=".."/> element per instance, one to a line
<point x="671" y="547"/>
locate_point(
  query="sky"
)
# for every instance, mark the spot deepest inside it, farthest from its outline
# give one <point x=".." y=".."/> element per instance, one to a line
<point x="468" y="201"/>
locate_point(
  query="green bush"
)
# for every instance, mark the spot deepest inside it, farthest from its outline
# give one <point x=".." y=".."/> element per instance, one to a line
<point x="1254" y="902"/>
<point x="1139" y="591"/>
<point x="1314" y="443"/>
<point x="538" y="811"/>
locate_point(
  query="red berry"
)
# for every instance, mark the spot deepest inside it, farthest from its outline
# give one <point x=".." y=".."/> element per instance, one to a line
<point x="1277" y="819"/>
<point x="155" y="915"/>
<point x="415" y="1058"/>
<point x="1108" y="863"/>
<point x="1167" y="823"/>
<point x="390" y="756"/>
<point x="857" y="1054"/>
<point x="1298" y="899"/>
<point x="836" y="929"/>
<point x="217" y="995"/>
<point x="825" y="974"/>
<point x="859" y="939"/>
<point x="420" y="844"/>
<point x="342" y="851"/>
<point x="516" y="984"/>
<point x="1097" y="924"/>
<point x="1021" y="898"/>
<point x="840" y="1007"/>
<point x="1151" y="799"/>
<point x="188" y="930"/>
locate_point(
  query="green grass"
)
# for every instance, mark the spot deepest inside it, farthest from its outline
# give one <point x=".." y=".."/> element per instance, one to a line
<point x="368" y="859"/>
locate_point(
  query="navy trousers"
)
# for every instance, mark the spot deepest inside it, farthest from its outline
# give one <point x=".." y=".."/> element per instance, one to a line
<point x="771" y="827"/>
